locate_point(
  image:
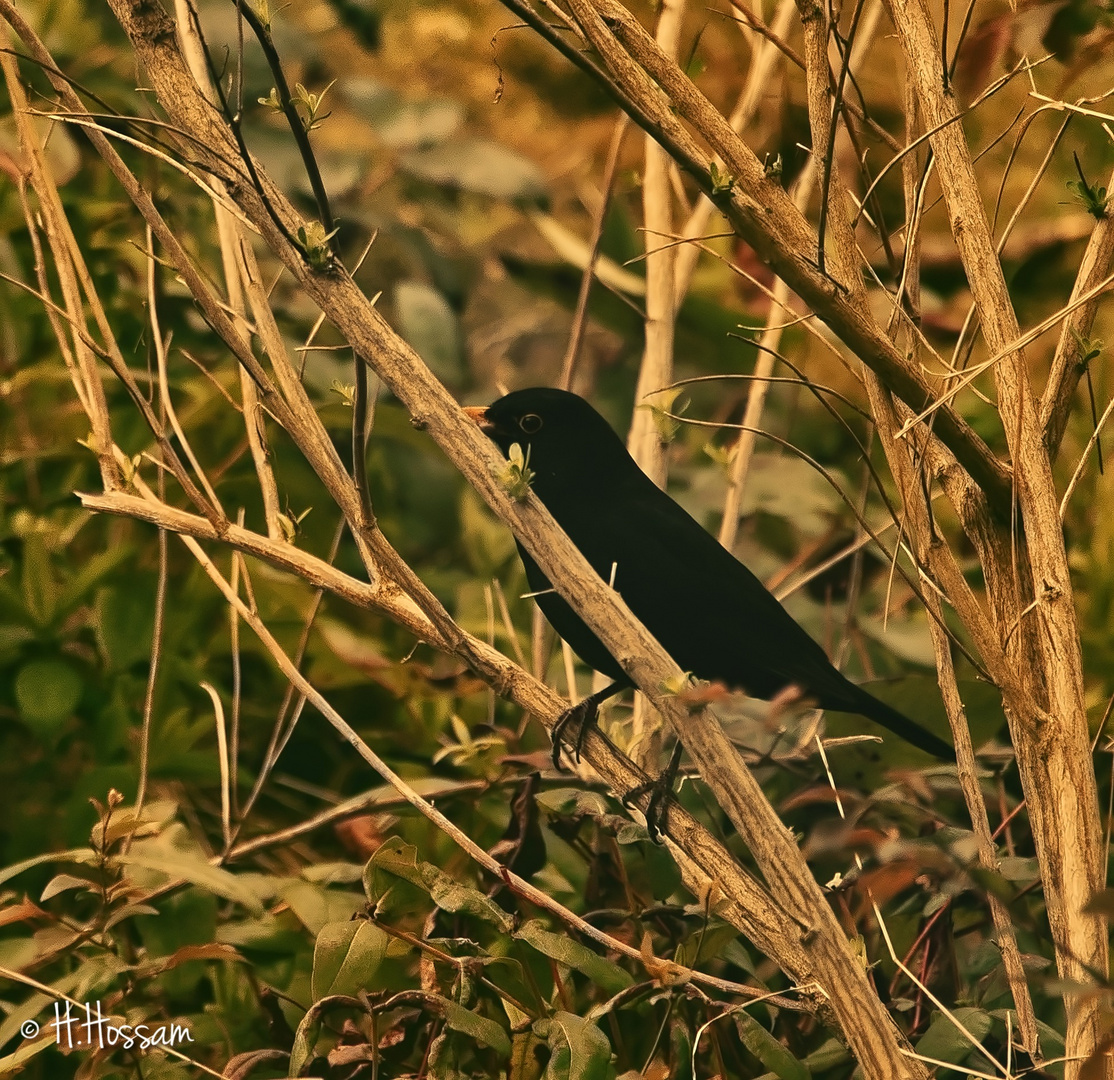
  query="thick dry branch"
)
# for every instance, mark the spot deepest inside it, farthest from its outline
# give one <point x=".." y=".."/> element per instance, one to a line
<point x="822" y="120"/>
<point x="933" y="553"/>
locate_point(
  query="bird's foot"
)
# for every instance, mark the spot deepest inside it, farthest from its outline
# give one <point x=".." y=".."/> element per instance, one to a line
<point x="581" y="716"/>
<point x="661" y="791"/>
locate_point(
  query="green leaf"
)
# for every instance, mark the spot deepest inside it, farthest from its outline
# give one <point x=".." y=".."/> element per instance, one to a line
<point x="13" y="610"/>
<point x="11" y="1064"/>
<point x="735" y="952"/>
<point x="316" y="906"/>
<point x="163" y="857"/>
<point x="768" y="1050"/>
<point x="12" y="640"/>
<point x="662" y="407"/>
<point x="472" y="164"/>
<point x="449" y="895"/>
<point x="40" y="589"/>
<point x="92" y="571"/>
<point x="517" y="475"/>
<point x="790" y="488"/>
<point x="80" y="855"/>
<point x="1019" y="868"/>
<point x="403" y="124"/>
<point x="305" y="1039"/>
<point x="710" y="942"/>
<point x="38" y="1007"/>
<point x="478" y="1027"/>
<point x="580" y="1051"/>
<point x="630" y="832"/>
<point x="125" y="622"/>
<point x="346" y="957"/>
<point x="943" y="1041"/>
<point x="61" y="883"/>
<point x="444" y="1058"/>
<point x="47" y="692"/>
<point x="721" y="181"/>
<point x="565" y="950"/>
<point x="395" y="858"/>
<point x="334" y="873"/>
<point x="431" y="327"/>
<point x="680" y="1046"/>
<point x="278" y="935"/>
<point x="154" y="818"/>
<point x="907" y="637"/>
<point x="573" y="801"/>
<point x="128" y="911"/>
<point x="576" y="250"/>
<point x="524" y="1059"/>
<point x="832" y="1054"/>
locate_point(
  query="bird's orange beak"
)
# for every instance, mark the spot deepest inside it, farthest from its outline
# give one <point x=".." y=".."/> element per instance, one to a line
<point x="478" y="414"/>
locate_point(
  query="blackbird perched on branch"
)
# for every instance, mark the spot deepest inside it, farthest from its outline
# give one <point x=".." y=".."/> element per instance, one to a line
<point x="708" y="611"/>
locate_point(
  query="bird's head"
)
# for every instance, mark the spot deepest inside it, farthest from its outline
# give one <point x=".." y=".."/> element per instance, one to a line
<point x="566" y="438"/>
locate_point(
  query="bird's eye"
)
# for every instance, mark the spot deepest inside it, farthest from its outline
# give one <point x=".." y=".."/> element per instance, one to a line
<point x="530" y="423"/>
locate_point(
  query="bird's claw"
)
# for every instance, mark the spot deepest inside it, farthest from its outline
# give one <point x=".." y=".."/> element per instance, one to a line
<point x="657" y="809"/>
<point x="661" y="790"/>
<point x="583" y="714"/>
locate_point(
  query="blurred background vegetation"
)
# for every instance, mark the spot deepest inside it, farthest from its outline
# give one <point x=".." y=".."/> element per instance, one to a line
<point x="472" y="154"/>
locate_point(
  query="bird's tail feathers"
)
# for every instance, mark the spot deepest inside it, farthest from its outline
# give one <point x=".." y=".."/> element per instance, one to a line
<point x="912" y="732"/>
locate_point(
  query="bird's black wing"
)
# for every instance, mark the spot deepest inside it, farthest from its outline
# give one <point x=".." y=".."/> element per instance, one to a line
<point x="712" y="614"/>
<point x="717" y="620"/>
<point x="568" y="624"/>
<point x="708" y="611"/>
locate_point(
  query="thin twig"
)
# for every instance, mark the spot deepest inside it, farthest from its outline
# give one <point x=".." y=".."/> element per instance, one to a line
<point x="281" y="730"/>
<point x="768" y="344"/>
<point x="580" y="315"/>
<point x="156" y="656"/>
<point x="1091" y="443"/>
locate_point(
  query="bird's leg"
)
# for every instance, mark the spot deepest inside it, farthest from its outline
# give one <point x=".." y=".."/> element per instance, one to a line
<point x="583" y="714"/>
<point x="657" y="809"/>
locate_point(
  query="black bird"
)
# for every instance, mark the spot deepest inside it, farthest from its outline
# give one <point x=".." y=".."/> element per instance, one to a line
<point x="708" y="611"/>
